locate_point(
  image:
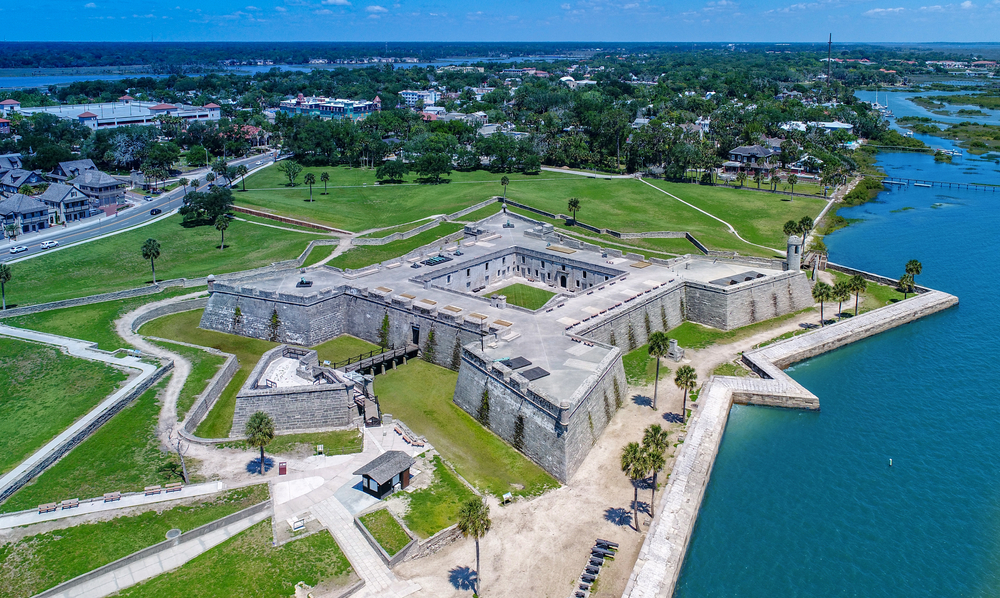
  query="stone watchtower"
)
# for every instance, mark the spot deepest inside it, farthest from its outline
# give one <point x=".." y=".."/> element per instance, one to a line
<point x="793" y="257"/>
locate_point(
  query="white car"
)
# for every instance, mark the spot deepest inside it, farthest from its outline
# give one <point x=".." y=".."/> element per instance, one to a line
<point x="258" y="162"/>
<point x="18" y="249"/>
<point x="49" y="244"/>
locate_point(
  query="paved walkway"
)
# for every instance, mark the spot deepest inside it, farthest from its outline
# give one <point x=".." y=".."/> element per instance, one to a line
<point x="85" y="350"/>
<point x="161" y="562"/>
<point x="589" y="174"/>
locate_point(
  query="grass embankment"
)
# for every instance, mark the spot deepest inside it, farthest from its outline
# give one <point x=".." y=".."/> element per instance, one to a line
<point x="730" y="369"/>
<point x="334" y="443"/>
<point x="277" y="223"/>
<point x="640" y="367"/>
<point x="42" y="560"/>
<point x="874" y="297"/>
<point x="204" y="366"/>
<point x="436" y="507"/>
<point x="94" y="322"/>
<point x="866" y="190"/>
<point x="366" y="255"/>
<point x="525" y="296"/>
<point x="116" y="263"/>
<point x="248" y="565"/>
<point x="386" y="530"/>
<point x="481" y="213"/>
<point x="34" y="403"/>
<point x="420" y="394"/>
<point x="123" y="455"/>
<point x="690" y="335"/>
<point x="343" y="347"/>
<point x="318" y="254"/>
<point x="184" y="327"/>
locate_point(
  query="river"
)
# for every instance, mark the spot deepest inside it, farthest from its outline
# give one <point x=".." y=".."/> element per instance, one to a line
<point x="806" y="504"/>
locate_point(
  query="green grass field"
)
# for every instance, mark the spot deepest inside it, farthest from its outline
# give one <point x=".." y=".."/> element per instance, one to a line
<point x="343" y="347"/>
<point x="386" y="530"/>
<point x="318" y="254"/>
<point x="248" y="565"/>
<point x="116" y="262"/>
<point x="204" y="366"/>
<point x="124" y="455"/>
<point x="640" y="368"/>
<point x="420" y="394"/>
<point x="94" y="322"/>
<point x="41" y="560"/>
<point x="525" y="296"/>
<point x="730" y="369"/>
<point x="184" y="327"/>
<point x="436" y="507"/>
<point x="874" y="297"/>
<point x="341" y="442"/>
<point x="359" y="257"/>
<point x="34" y="403"/>
<point x="690" y="335"/>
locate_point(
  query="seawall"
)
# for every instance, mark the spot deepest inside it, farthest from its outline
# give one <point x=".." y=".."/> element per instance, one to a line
<point x="662" y="554"/>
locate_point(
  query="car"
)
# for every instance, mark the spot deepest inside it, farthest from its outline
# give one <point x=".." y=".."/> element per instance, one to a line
<point x="148" y="198"/>
<point x="49" y="244"/>
<point x="155" y="211"/>
<point x="258" y="162"/>
<point x="18" y="249"/>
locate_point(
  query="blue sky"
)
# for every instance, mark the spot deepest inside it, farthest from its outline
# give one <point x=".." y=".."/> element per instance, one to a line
<point x="508" y="20"/>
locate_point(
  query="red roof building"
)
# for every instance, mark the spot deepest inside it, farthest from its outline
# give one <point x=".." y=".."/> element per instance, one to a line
<point x="88" y="115"/>
<point x="163" y="107"/>
<point x="9" y="102"/>
<point x="212" y="105"/>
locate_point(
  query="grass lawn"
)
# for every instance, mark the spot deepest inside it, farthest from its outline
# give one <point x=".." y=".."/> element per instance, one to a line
<point x="690" y="335"/>
<point x="43" y="560"/>
<point x="640" y="367"/>
<point x="94" y="322"/>
<point x="116" y="262"/>
<point x="730" y="369"/>
<point x="402" y="228"/>
<point x="386" y="530"/>
<point x="334" y="443"/>
<point x="524" y="295"/>
<point x="874" y="297"/>
<point x="318" y="254"/>
<point x="270" y="222"/>
<point x="481" y="213"/>
<point x="34" y="403"/>
<point x="184" y="327"/>
<point x="436" y="507"/>
<point x="366" y="255"/>
<point x="248" y="565"/>
<point x="204" y="366"/>
<point x="343" y="347"/>
<point x="420" y="394"/>
<point x="124" y="455"/>
<point x="356" y="203"/>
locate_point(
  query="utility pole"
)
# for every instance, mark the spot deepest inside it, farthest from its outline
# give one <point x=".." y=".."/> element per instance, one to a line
<point x="829" y="59"/>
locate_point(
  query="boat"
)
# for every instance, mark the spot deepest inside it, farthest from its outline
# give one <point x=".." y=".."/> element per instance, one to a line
<point x="921" y="185"/>
<point x="894" y="183"/>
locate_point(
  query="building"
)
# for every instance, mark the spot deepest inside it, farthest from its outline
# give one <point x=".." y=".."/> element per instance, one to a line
<point x="753" y="157"/>
<point x="102" y="188"/>
<point x="329" y="108"/>
<point x="576" y="84"/>
<point x="429" y="97"/>
<point x="12" y="180"/>
<point x="4" y="126"/>
<point x="386" y="473"/>
<point x="65" y="171"/>
<point x="125" y="111"/>
<point x="10" y="162"/>
<point x="68" y="203"/>
<point x="26" y="213"/>
<point x="7" y="106"/>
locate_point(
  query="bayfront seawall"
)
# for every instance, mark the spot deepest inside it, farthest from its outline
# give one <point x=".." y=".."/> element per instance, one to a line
<point x="662" y="554"/>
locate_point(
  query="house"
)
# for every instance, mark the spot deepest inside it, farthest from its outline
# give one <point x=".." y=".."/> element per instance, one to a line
<point x="7" y="106"/>
<point x="14" y="179"/>
<point x="640" y="123"/>
<point x="26" y="213"/>
<point x="754" y="157"/>
<point x="101" y="187"/>
<point x="832" y="126"/>
<point x="388" y="472"/>
<point x="807" y="163"/>
<point x="68" y="203"/>
<point x="4" y="126"/>
<point x="411" y="97"/>
<point x="9" y="162"/>
<point x="72" y="169"/>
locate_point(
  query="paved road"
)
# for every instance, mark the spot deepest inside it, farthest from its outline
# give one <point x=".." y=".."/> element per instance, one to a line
<point x="97" y="226"/>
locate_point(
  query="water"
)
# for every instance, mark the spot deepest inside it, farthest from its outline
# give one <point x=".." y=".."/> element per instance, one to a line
<point x="900" y="105"/>
<point x="805" y="504"/>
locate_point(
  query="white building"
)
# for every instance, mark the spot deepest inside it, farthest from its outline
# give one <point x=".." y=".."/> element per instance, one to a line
<point x="411" y="97"/>
<point x="126" y="111"/>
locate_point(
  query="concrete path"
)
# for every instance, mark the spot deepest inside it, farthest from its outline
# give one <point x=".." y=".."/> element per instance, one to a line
<point x="161" y="562"/>
<point x="99" y="506"/>
<point x="84" y="350"/>
<point x="592" y="175"/>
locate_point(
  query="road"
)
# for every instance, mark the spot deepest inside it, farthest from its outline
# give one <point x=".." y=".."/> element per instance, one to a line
<point x="97" y="226"/>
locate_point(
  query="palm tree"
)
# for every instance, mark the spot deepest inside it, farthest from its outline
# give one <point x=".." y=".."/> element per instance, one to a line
<point x="210" y="177"/>
<point x="654" y="440"/>
<point x="906" y="284"/>
<point x="758" y="177"/>
<point x="687" y="379"/>
<point x="504" y="181"/>
<point x="194" y="183"/>
<point x="574" y="206"/>
<point x="151" y="251"/>
<point x="792" y="179"/>
<point x="221" y="224"/>
<point x="325" y="178"/>
<point x="184" y="183"/>
<point x="242" y="171"/>
<point x="5" y="276"/>
<point x="841" y="292"/>
<point x="635" y="466"/>
<point x="658" y="346"/>
<point x="741" y="177"/>
<point x="775" y="181"/>
<point x="260" y="432"/>
<point x="474" y="520"/>
<point x="822" y="292"/>
<point x="310" y="179"/>
<point x="914" y="268"/>
<point x="858" y="285"/>
<point x="791" y="228"/>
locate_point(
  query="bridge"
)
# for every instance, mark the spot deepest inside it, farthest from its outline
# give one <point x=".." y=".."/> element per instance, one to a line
<point x="369" y="361"/>
<point x="893" y="180"/>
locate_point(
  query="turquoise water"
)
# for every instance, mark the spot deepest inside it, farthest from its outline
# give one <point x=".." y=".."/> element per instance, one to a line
<point x="805" y="504"/>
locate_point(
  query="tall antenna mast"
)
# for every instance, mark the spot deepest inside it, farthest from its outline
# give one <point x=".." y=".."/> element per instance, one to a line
<point x="829" y="59"/>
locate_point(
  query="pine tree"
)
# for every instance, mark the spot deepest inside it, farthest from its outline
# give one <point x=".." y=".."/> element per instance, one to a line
<point x="273" y="326"/>
<point x="430" y="347"/>
<point x="383" y="332"/>
<point x="484" y="409"/>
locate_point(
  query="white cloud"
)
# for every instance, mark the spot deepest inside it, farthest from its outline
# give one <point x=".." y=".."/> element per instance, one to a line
<point x="280" y="9"/>
<point x="564" y="6"/>
<point x="375" y="8"/>
<point x="336" y="2"/>
<point x="90" y="5"/>
<point x="935" y="8"/>
<point x="882" y="12"/>
<point x="252" y="8"/>
<point x="967" y="4"/>
<point x="323" y="11"/>
<point x="632" y="5"/>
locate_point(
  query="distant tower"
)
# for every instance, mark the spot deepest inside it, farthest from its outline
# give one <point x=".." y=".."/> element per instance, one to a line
<point x="793" y="257"/>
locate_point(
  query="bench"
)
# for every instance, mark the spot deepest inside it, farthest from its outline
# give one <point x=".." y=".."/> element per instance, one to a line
<point x="112" y="496"/>
<point x="70" y="503"/>
<point x="152" y="490"/>
<point x="417" y="442"/>
<point x="47" y="507"/>
<point x="175" y="487"/>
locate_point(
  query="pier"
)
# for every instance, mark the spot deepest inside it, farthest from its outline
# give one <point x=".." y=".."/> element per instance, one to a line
<point x="944" y="184"/>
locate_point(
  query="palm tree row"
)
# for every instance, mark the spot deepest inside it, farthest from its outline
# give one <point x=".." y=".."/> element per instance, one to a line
<point x="638" y="461"/>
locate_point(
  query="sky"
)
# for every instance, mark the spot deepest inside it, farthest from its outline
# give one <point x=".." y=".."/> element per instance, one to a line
<point x="507" y="20"/>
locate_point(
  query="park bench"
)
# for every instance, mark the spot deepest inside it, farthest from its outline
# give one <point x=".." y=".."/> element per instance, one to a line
<point x="152" y="490"/>
<point x="112" y="496"/>
<point x="47" y="507"/>
<point x="175" y="487"/>
<point x="70" y="503"/>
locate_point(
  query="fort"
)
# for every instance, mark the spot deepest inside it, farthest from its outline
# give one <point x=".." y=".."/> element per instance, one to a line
<point x="547" y="381"/>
